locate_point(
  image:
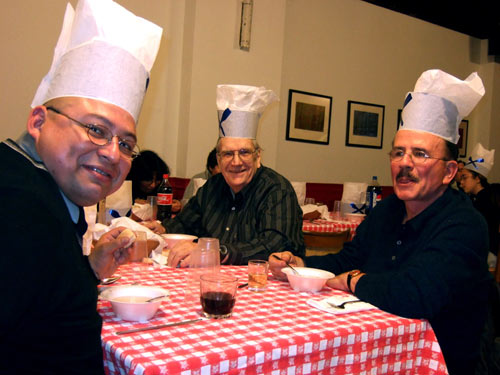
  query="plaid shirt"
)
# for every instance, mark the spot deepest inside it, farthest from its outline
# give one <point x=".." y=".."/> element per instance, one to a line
<point x="263" y="218"/>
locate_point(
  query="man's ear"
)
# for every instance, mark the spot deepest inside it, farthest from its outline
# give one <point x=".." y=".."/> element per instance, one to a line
<point x="36" y="119"/>
<point x="450" y="172"/>
<point x="258" y="159"/>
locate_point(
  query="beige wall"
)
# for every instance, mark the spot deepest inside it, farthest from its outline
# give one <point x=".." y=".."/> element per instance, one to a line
<point x="349" y="50"/>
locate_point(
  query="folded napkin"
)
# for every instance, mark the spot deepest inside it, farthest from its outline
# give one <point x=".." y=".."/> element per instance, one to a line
<point x="323" y="305"/>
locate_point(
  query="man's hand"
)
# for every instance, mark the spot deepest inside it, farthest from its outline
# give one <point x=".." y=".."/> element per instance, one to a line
<point x="275" y="265"/>
<point x="109" y="253"/>
<point x="340" y="282"/>
<point x="154" y="225"/>
<point x="180" y="254"/>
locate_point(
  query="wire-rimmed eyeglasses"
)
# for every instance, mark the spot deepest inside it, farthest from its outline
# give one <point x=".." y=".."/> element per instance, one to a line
<point x="244" y="154"/>
<point x="417" y="156"/>
<point x="101" y="136"/>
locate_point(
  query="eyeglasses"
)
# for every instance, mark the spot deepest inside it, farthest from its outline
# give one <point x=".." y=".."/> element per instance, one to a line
<point x="101" y="136"/>
<point x="418" y="157"/>
<point x="244" y="154"/>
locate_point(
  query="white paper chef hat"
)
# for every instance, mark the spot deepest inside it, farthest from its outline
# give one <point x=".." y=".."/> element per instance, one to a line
<point x="481" y="160"/>
<point x="439" y="102"/>
<point x="104" y="52"/>
<point x="239" y="109"/>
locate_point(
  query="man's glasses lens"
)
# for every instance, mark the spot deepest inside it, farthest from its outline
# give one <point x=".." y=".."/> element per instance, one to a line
<point x="244" y="154"/>
<point x="417" y="156"/>
<point x="101" y="136"/>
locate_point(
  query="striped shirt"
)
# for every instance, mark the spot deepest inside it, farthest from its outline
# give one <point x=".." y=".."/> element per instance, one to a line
<point x="263" y="218"/>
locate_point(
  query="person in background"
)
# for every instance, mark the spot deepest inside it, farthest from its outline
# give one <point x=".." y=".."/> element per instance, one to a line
<point x="79" y="144"/>
<point x="456" y="181"/>
<point x="146" y="175"/>
<point x="212" y="168"/>
<point x="421" y="253"/>
<point x="474" y="182"/>
<point x="250" y="208"/>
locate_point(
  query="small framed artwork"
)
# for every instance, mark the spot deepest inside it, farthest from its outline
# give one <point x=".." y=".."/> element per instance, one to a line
<point x="365" y="124"/>
<point x="463" y="130"/>
<point x="309" y="117"/>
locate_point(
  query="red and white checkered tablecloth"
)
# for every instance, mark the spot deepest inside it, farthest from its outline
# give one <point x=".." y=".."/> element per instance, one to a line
<point x="321" y="225"/>
<point x="273" y="332"/>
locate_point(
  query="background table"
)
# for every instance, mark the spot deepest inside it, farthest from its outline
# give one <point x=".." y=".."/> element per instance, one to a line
<point x="273" y="332"/>
<point x="321" y="225"/>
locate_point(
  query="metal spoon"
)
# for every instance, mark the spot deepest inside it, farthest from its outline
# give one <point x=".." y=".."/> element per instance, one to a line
<point x="110" y="280"/>
<point x="341" y="306"/>
<point x="288" y="264"/>
<point x="155" y="298"/>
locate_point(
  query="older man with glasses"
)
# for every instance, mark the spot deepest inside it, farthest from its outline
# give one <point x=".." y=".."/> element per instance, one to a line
<point x="78" y="148"/>
<point x="421" y="253"/>
<point x="250" y="208"/>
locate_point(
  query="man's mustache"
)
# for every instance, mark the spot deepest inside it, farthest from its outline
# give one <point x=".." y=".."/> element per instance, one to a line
<point x="405" y="173"/>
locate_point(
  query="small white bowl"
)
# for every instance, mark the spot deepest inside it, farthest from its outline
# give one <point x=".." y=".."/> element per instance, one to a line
<point x="172" y="238"/>
<point x="128" y="301"/>
<point x="308" y="279"/>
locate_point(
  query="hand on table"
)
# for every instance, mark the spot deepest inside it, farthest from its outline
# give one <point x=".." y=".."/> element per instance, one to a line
<point x="276" y="265"/>
<point x="108" y="253"/>
<point x="340" y="282"/>
<point x="154" y="225"/>
<point x="180" y="254"/>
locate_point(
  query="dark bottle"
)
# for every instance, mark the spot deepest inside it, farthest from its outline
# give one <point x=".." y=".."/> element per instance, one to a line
<point x="165" y="197"/>
<point x="373" y="194"/>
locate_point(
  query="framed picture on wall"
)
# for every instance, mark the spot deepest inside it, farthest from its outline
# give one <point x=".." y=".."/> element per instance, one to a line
<point x="309" y="117"/>
<point x="365" y="125"/>
<point x="463" y="130"/>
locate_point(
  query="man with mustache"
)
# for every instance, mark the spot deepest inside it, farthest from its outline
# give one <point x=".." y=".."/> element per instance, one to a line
<point x="421" y="253"/>
<point x="250" y="208"/>
<point x="78" y="147"/>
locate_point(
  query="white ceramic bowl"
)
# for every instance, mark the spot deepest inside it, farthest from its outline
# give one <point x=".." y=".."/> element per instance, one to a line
<point x="128" y="303"/>
<point x="172" y="238"/>
<point x="308" y="279"/>
<point x="357" y="218"/>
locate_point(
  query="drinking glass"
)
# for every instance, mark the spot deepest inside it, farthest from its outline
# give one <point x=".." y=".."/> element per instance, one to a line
<point x="218" y="295"/>
<point x="205" y="259"/>
<point x="337" y="210"/>
<point x="153" y="206"/>
<point x="140" y="247"/>
<point x="257" y="275"/>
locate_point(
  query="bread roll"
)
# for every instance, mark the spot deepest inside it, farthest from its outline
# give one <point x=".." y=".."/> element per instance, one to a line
<point x="128" y="233"/>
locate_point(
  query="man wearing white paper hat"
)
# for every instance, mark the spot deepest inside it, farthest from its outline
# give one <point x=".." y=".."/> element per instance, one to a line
<point x="80" y="140"/>
<point x="250" y="208"/>
<point x="474" y="182"/>
<point x="421" y="253"/>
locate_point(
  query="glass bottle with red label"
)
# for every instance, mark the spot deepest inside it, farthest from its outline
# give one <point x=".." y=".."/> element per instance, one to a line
<point x="165" y="198"/>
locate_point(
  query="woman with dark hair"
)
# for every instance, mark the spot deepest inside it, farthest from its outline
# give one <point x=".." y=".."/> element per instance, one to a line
<point x="146" y="174"/>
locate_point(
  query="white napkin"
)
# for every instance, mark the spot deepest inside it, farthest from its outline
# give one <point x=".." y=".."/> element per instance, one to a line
<point x="126" y="222"/>
<point x="337" y="300"/>
<point x="142" y="211"/>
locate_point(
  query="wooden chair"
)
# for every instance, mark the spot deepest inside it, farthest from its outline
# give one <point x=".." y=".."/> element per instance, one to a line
<point x="321" y="243"/>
